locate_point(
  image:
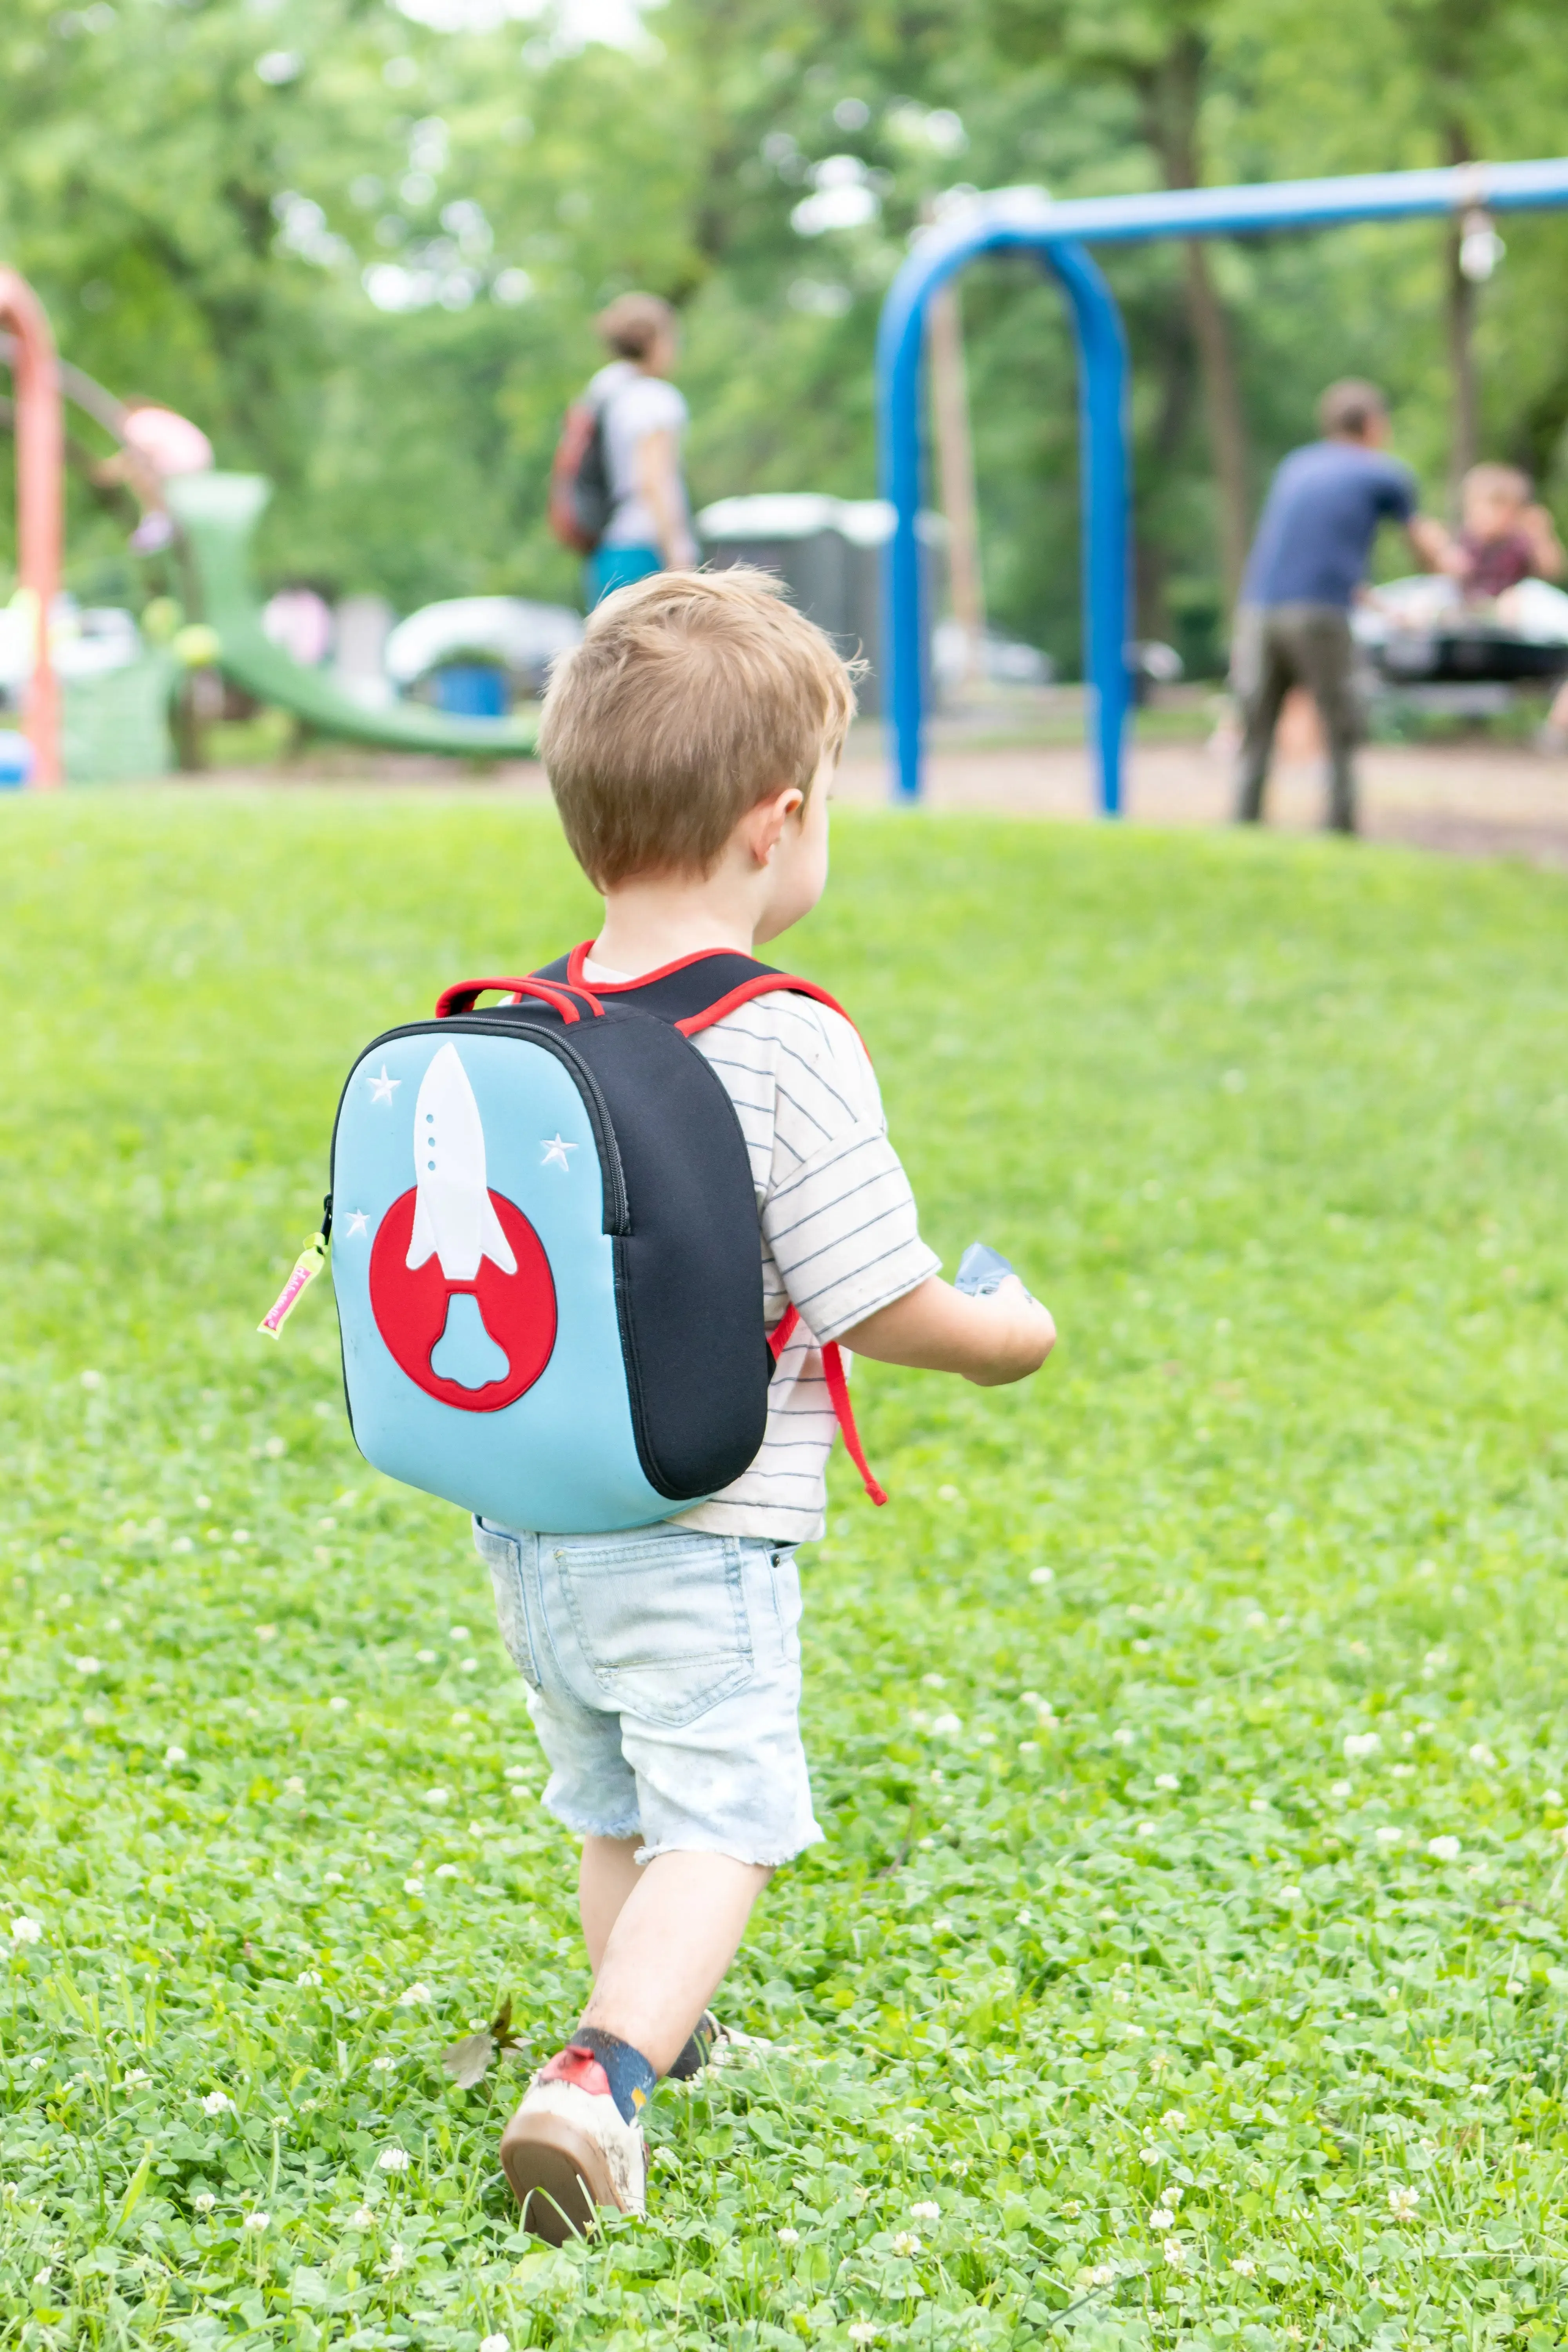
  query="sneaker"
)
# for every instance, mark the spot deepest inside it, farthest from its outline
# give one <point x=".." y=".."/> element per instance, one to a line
<point x="567" y="2151"/>
<point x="698" y="2048"/>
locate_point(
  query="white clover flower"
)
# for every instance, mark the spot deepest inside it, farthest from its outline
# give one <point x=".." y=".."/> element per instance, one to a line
<point x="217" y="2103"/>
<point x="1481" y="1754"/>
<point x="1256" y="1621"/>
<point x="26" y="1930"/>
<point x="497" y="2343"/>
<point x="446" y="1870"/>
<point x="383" y="2065"/>
<point x="175" y="1756"/>
<point x="946" y="1726"/>
<point x="1341" y="1789"/>
<point x="258" y="2222"/>
<point x="1359" y="1745"/>
<point x="1244" y="2266"/>
<point x="308" y="1977"/>
<point x="438" y="1798"/>
<point x="361" y="2218"/>
<point x="1161" y="2217"/>
<point x="393" y="2261"/>
<point x="133" y="2077"/>
<point x="1173" y="2120"/>
<point x="1042" y="1576"/>
<point x="906" y="2242"/>
<point x="1175" y="2253"/>
<point x="266" y="1633"/>
<point x="789" y="2237"/>
<point x="1444" y="1848"/>
<point x="927" y="2210"/>
<point x="863" y="2331"/>
<point x="459" y="1633"/>
<point x="203" y="2201"/>
<point x="417" y="1997"/>
<point x="1388" y="1834"/>
<point x="87" y="1666"/>
<point x="1174" y="2194"/>
<point x="1102" y="2274"/>
<point x="413" y="1887"/>
<point x="1148" y="1828"/>
<point x="1123" y="1735"/>
<point x="1289" y="1894"/>
<point x="1151" y="2155"/>
<point x="1166" y="1780"/>
<point x="92" y="1379"/>
<point x="293" y="1786"/>
<point x="1514" y="1987"/>
<point x="394" y="2160"/>
<point x="338" y="1705"/>
<point x="470" y="1666"/>
<point x="1403" y="2201"/>
<point x="9" y="2192"/>
<point x="425" y="1657"/>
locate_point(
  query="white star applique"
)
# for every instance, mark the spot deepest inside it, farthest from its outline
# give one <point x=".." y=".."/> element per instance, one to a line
<point x="383" y="1088"/>
<point x="555" y="1151"/>
<point x="358" y="1223"/>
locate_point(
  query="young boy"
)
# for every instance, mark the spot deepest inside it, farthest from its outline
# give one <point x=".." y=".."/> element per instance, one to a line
<point x="691" y="741"/>
<point x="1503" y="538"/>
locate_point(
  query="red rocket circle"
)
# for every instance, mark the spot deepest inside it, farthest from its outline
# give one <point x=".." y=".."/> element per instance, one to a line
<point x="410" y="1304"/>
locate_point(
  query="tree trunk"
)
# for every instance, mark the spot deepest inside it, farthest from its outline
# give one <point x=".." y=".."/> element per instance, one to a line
<point x="956" y="471"/>
<point x="1223" y="414"/>
<point x="1171" y="97"/>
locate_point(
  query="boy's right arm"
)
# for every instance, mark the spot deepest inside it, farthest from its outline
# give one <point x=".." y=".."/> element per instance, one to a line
<point x="935" y="1328"/>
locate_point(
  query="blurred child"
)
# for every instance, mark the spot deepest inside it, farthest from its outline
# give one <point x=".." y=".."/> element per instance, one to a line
<point x="1503" y="537"/>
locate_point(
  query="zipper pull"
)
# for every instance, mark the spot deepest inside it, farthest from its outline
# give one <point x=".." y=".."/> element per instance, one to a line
<point x="306" y="1267"/>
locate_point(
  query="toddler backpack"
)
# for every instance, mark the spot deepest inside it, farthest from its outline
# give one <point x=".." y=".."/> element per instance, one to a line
<point x="580" y="504"/>
<point x="546" y="1253"/>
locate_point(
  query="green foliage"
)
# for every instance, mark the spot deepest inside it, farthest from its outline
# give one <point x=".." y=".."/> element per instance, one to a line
<point x="203" y="235"/>
<point x="1186" y="1729"/>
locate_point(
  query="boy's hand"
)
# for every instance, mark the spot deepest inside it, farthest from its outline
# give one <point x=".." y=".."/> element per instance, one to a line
<point x="935" y="1328"/>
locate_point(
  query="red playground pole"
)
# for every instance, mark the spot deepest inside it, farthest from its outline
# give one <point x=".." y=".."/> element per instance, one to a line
<point x="40" y="473"/>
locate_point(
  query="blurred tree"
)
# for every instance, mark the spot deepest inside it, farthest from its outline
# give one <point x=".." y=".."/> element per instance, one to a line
<point x="1163" y="52"/>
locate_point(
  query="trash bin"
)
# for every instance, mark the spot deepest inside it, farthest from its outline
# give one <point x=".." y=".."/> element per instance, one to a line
<point x="830" y="553"/>
<point x="114" y="723"/>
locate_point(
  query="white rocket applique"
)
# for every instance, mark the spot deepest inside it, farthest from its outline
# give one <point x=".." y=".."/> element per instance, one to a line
<point x="453" y="1216"/>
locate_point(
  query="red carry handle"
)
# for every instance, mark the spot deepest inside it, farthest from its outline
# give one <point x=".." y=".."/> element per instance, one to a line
<point x="838" y="1381"/>
<point x="466" y="995"/>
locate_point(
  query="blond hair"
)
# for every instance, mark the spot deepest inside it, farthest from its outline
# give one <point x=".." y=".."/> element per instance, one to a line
<point x="1498" y="482"/>
<point x="632" y="323"/>
<point x="693" y="696"/>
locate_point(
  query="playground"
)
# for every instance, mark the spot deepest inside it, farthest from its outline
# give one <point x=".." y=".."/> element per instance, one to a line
<point x="1184" y="1963"/>
<point x="1186" y="1952"/>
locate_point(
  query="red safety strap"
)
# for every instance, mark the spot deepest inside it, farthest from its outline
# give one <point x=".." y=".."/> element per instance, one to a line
<point x="465" y="995"/>
<point x="838" y="1381"/>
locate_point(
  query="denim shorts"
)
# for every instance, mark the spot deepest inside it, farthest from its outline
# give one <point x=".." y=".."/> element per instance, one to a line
<point x="663" y="1672"/>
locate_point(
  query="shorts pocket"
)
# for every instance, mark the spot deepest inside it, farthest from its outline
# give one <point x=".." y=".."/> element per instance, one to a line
<point x="503" y="1555"/>
<point x="662" y="1625"/>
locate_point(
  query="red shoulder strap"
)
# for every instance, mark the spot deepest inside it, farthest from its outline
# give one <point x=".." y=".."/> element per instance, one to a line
<point x="838" y="1381"/>
<point x="757" y="982"/>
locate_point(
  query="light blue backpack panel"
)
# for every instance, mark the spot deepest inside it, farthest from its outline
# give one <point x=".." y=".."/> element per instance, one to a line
<point x="569" y="1433"/>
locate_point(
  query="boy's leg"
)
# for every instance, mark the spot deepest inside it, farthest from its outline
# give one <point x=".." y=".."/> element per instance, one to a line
<point x="1262" y="675"/>
<point x="606" y="1878"/>
<point x="674" y="1936"/>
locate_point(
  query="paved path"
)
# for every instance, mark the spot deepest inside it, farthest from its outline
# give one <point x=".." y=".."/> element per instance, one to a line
<point x="1479" y="800"/>
<point x="1473" y="800"/>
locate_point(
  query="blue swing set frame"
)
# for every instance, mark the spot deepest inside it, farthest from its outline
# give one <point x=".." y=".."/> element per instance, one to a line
<point x="1025" y="220"/>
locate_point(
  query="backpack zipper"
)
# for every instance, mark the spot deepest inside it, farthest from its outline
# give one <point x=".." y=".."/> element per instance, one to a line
<point x="618" y="1217"/>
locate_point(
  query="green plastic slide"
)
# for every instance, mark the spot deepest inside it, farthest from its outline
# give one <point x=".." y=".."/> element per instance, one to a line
<point x="218" y="514"/>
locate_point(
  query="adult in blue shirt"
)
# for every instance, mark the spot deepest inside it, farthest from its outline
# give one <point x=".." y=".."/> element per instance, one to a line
<point x="1307" y="565"/>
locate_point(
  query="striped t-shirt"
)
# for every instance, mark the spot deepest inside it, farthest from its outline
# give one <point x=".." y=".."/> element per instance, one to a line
<point x="840" y="1235"/>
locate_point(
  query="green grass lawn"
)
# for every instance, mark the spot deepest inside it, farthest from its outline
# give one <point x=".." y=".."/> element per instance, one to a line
<point x="1186" y="1961"/>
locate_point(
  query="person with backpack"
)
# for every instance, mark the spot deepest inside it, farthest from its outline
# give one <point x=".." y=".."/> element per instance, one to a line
<point x="600" y="1249"/>
<point x="616" y="493"/>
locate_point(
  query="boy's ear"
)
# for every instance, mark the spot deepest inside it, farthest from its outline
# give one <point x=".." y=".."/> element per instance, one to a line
<point x="761" y="827"/>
